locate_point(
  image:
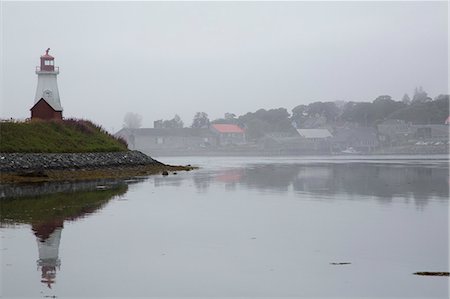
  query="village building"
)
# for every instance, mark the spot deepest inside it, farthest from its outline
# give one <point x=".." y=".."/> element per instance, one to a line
<point x="394" y="132"/>
<point x="228" y="134"/>
<point x="305" y="141"/>
<point x="156" y="140"/>
<point x="315" y="134"/>
<point x="436" y="133"/>
<point x="47" y="104"/>
<point x="398" y="132"/>
<point x="315" y="139"/>
<point x="181" y="140"/>
<point x="359" y="139"/>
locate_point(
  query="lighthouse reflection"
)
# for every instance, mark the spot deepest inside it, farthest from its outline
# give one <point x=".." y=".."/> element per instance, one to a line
<point x="47" y="214"/>
<point x="48" y="237"/>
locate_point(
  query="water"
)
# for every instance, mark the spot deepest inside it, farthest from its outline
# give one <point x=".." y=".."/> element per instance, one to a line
<point x="247" y="227"/>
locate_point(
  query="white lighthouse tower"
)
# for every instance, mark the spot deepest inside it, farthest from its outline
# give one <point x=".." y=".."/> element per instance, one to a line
<point x="47" y="104"/>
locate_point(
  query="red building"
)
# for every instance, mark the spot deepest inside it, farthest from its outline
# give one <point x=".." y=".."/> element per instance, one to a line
<point x="229" y="134"/>
<point x="43" y="110"/>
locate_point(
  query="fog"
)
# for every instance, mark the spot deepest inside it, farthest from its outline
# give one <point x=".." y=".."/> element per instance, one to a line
<point x="160" y="59"/>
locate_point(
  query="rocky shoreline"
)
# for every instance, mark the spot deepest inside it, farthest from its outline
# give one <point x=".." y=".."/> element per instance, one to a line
<point x="15" y="162"/>
<point x="48" y="167"/>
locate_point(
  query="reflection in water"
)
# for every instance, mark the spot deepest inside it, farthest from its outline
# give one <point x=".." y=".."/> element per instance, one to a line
<point x="48" y="237"/>
<point x="260" y="226"/>
<point x="382" y="181"/>
<point x="47" y="213"/>
<point x="379" y="180"/>
<point x="201" y="181"/>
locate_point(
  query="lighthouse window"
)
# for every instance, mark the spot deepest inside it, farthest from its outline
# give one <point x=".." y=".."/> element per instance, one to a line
<point x="48" y="62"/>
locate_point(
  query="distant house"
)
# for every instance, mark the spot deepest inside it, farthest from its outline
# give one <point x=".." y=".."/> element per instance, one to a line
<point x="361" y="139"/>
<point x="228" y="134"/>
<point x="431" y="132"/>
<point x="315" y="140"/>
<point x="157" y="141"/>
<point x="395" y="131"/>
<point x="306" y="141"/>
<point x="314" y="134"/>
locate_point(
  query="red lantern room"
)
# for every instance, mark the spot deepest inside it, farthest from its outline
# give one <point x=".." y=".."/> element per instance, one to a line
<point x="47" y="62"/>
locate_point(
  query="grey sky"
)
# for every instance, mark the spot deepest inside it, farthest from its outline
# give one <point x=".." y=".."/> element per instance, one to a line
<point x="162" y="58"/>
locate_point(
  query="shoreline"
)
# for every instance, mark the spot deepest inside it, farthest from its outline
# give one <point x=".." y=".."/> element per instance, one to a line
<point x="45" y="167"/>
<point x="61" y="175"/>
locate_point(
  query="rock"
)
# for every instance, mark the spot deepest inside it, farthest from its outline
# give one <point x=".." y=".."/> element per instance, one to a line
<point x="165" y="173"/>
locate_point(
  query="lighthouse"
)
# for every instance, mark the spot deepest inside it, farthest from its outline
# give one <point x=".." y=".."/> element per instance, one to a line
<point x="47" y="104"/>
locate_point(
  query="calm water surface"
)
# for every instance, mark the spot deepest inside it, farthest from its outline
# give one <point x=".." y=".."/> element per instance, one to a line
<point x="249" y="227"/>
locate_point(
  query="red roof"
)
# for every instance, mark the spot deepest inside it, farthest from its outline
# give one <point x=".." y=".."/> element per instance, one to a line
<point x="48" y="57"/>
<point x="227" y="128"/>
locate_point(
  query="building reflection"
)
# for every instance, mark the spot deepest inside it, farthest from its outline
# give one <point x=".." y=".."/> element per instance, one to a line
<point x="47" y="214"/>
<point x="353" y="180"/>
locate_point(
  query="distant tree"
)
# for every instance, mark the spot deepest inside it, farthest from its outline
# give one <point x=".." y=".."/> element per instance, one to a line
<point x="256" y="129"/>
<point x="300" y="111"/>
<point x="383" y="98"/>
<point x="327" y="109"/>
<point x="158" y="124"/>
<point x="299" y="115"/>
<point x="173" y="123"/>
<point x="360" y="113"/>
<point x="429" y="112"/>
<point x="406" y="99"/>
<point x="442" y="97"/>
<point x="262" y="122"/>
<point x="277" y="119"/>
<point x="369" y="114"/>
<point x="201" y="120"/>
<point x="383" y="106"/>
<point x="420" y="96"/>
<point x="230" y="116"/>
<point x="132" y="120"/>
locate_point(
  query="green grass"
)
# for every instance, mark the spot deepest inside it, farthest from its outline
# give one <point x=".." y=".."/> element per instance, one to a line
<point x="67" y="136"/>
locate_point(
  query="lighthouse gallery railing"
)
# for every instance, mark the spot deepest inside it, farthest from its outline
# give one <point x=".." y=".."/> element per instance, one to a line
<point x="55" y="69"/>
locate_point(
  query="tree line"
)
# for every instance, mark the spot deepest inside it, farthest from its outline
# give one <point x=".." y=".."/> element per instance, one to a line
<point x="421" y="109"/>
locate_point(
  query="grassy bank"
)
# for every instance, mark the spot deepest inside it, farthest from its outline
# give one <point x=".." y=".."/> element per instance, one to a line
<point x="66" y="136"/>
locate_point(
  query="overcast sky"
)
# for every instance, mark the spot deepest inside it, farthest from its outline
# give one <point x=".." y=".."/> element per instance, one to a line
<point x="162" y="58"/>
